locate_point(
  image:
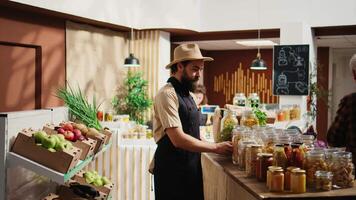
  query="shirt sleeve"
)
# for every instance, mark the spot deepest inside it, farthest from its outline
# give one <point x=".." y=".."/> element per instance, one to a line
<point x="337" y="132"/>
<point x="166" y="106"/>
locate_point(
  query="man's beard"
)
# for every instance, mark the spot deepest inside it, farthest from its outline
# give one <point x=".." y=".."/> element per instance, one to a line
<point x="188" y="82"/>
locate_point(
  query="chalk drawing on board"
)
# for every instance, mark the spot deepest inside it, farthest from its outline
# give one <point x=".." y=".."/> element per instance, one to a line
<point x="282" y="58"/>
<point x="302" y="87"/>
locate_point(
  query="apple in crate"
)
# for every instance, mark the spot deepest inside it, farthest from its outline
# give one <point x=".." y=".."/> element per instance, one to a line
<point x="78" y="135"/>
<point x="69" y="135"/>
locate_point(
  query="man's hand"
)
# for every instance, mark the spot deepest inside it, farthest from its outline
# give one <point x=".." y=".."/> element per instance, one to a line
<point x="224" y="148"/>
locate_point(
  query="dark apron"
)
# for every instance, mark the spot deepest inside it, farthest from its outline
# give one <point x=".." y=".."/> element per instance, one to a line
<point x="177" y="172"/>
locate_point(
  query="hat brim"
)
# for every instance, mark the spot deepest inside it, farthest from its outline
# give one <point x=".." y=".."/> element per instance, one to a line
<point x="205" y="59"/>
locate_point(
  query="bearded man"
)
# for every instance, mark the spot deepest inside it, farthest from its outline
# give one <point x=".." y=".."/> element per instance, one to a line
<point x="177" y="164"/>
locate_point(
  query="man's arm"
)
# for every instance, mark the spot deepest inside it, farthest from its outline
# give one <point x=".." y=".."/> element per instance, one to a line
<point x="187" y="142"/>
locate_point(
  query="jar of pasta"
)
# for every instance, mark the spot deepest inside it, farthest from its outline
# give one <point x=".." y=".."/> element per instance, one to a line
<point x="251" y="159"/>
<point x="277" y="180"/>
<point x="242" y="153"/>
<point x="314" y="161"/>
<point x="328" y="156"/>
<point x="298" y="181"/>
<point x="287" y="177"/>
<point x="323" y="180"/>
<point x="343" y="169"/>
<point x="249" y="119"/>
<point x="237" y="136"/>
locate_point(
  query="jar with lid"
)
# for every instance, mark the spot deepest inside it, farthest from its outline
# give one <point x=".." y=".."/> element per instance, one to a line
<point x="108" y="116"/>
<point x="269" y="141"/>
<point x="343" y="169"/>
<point x="239" y="99"/>
<point x="287" y="177"/>
<point x="264" y="160"/>
<point x="314" y="161"/>
<point x="253" y="100"/>
<point x="286" y="113"/>
<point x="298" y="181"/>
<point x="297" y="157"/>
<point x="242" y="153"/>
<point x="237" y="135"/>
<point x="280" y="116"/>
<point x="269" y="175"/>
<point x="228" y="123"/>
<point x="323" y="180"/>
<point x="308" y="142"/>
<point x="294" y="112"/>
<point x="279" y="156"/>
<point x="251" y="159"/>
<point x="248" y="119"/>
<point x="328" y="155"/>
<point x="277" y="180"/>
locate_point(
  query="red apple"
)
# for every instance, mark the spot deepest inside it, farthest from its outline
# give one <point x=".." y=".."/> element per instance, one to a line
<point x="60" y="130"/>
<point x="69" y="135"/>
<point x="68" y="127"/>
<point x="77" y="133"/>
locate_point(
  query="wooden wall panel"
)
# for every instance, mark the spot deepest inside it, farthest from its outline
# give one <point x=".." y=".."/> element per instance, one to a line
<point x="229" y="73"/>
<point x="48" y="34"/>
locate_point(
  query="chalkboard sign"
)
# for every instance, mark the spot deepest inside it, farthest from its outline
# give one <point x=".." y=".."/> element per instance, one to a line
<point x="291" y="70"/>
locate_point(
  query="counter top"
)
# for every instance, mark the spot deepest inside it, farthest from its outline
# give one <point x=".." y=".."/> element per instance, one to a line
<point x="259" y="190"/>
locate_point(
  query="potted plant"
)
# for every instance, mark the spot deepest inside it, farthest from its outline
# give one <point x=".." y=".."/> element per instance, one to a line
<point x="132" y="98"/>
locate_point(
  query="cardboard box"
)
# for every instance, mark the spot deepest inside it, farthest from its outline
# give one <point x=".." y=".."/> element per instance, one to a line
<point x="87" y="146"/>
<point x="65" y="193"/>
<point x="106" y="189"/>
<point x="61" y="161"/>
<point x="100" y="141"/>
<point x="108" y="135"/>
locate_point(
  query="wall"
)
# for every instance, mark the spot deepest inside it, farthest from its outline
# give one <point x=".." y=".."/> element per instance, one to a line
<point x="207" y="15"/>
<point x="46" y="36"/>
<point x="223" y="68"/>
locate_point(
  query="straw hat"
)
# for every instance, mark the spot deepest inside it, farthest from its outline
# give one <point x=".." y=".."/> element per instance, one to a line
<point x="186" y="52"/>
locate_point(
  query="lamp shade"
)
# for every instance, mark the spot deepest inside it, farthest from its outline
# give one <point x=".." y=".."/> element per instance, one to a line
<point x="132" y="61"/>
<point x="258" y="63"/>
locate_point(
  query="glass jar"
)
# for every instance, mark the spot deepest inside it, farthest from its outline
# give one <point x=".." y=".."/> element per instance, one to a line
<point x="253" y="100"/>
<point x="279" y="156"/>
<point x="277" y="180"/>
<point x="251" y="159"/>
<point x="323" y="180"/>
<point x="294" y="112"/>
<point x="343" y="169"/>
<point x="108" y="116"/>
<point x="249" y="119"/>
<point x="308" y="142"/>
<point x="328" y="155"/>
<point x="228" y="123"/>
<point x="297" y="157"/>
<point x="314" y="161"/>
<point x="280" y="116"/>
<point x="242" y="153"/>
<point x="237" y="135"/>
<point x="264" y="160"/>
<point x="269" y="175"/>
<point x="287" y="177"/>
<point x="269" y="142"/>
<point x="286" y="113"/>
<point x="239" y="99"/>
<point x="298" y="181"/>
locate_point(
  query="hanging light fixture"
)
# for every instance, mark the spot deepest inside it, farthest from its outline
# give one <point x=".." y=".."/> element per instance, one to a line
<point x="258" y="63"/>
<point x="131" y="61"/>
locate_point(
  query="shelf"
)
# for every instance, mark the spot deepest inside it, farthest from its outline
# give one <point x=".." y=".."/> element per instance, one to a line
<point x="15" y="159"/>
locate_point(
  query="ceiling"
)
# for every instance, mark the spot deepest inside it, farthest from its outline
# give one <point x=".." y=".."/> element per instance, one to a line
<point x="339" y="41"/>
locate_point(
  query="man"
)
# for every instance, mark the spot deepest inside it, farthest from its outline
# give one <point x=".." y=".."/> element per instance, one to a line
<point x="177" y="167"/>
<point x="342" y="132"/>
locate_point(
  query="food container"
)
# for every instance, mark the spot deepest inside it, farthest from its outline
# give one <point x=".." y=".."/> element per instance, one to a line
<point x="298" y="181"/>
<point x="249" y="119"/>
<point x="269" y="175"/>
<point x="279" y="156"/>
<point x="237" y="136"/>
<point x="314" y="161"/>
<point x="239" y="99"/>
<point x="297" y="156"/>
<point x="251" y="159"/>
<point x="253" y="100"/>
<point x="242" y="153"/>
<point x="328" y="155"/>
<point x="277" y="181"/>
<point x="264" y="160"/>
<point x="294" y="112"/>
<point x="228" y="123"/>
<point x="323" y="180"/>
<point x="342" y="169"/>
<point x="287" y="177"/>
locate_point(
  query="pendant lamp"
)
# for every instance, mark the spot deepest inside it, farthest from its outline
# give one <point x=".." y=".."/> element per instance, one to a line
<point x="131" y="61"/>
<point x="258" y="63"/>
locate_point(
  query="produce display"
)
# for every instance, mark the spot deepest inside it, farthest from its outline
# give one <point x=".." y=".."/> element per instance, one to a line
<point x="92" y="177"/>
<point x="51" y="142"/>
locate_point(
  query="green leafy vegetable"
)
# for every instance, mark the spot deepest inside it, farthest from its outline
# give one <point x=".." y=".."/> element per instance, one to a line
<point x="261" y="116"/>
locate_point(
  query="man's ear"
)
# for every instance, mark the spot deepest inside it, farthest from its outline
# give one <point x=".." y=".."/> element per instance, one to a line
<point x="180" y="66"/>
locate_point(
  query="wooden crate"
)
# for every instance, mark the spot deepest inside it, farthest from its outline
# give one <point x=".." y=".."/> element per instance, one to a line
<point x="106" y="189"/>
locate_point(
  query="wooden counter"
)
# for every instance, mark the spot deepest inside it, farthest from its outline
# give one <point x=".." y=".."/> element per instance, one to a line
<point x="222" y="180"/>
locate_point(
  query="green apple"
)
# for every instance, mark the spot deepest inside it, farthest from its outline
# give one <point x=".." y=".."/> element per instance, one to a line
<point x="51" y="150"/>
<point x="56" y="138"/>
<point x="39" y="135"/>
<point x="105" y="180"/>
<point x="61" y="137"/>
<point x="98" y="182"/>
<point x="49" y="142"/>
<point x="60" y="146"/>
